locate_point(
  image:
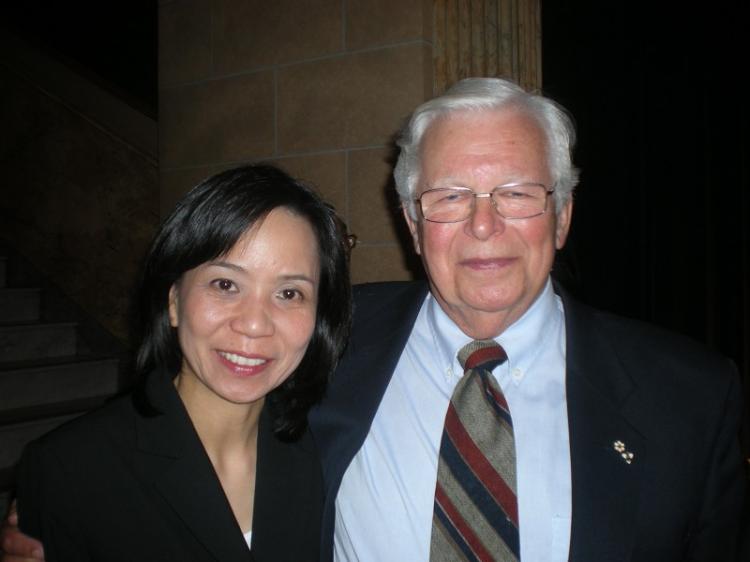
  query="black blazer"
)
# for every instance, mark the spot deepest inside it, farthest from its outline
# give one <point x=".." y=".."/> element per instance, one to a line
<point x="118" y="484"/>
<point x="673" y="404"/>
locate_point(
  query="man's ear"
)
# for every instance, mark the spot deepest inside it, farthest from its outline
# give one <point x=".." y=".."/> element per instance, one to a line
<point x="563" y="224"/>
<point x="174" y="302"/>
<point x="413" y="228"/>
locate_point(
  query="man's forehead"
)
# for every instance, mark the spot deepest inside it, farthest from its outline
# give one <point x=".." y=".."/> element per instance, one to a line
<point x="487" y="142"/>
<point x="463" y="117"/>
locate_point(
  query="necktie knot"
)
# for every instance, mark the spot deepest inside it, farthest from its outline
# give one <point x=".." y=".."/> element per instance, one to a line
<point x="481" y="354"/>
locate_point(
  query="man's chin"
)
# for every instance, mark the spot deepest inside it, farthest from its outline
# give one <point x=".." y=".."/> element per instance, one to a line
<point x="482" y="316"/>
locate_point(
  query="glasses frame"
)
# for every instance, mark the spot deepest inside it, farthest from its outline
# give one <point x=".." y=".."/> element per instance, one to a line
<point x="548" y="191"/>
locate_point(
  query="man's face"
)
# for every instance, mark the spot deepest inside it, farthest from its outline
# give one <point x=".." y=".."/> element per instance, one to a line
<point x="487" y="271"/>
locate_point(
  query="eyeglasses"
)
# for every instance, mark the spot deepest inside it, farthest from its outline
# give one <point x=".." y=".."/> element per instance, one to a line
<point x="511" y="201"/>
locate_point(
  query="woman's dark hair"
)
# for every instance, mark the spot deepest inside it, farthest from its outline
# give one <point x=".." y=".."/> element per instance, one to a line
<point x="206" y="224"/>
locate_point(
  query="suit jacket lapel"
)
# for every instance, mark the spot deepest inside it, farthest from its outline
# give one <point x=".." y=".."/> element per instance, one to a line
<point x="288" y="474"/>
<point x="173" y="456"/>
<point x="605" y="485"/>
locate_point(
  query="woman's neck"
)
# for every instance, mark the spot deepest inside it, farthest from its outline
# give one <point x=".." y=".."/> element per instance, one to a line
<point x="229" y="434"/>
<point x="223" y="427"/>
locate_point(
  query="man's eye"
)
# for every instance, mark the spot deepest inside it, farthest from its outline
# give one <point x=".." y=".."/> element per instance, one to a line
<point x="452" y="197"/>
<point x="515" y="194"/>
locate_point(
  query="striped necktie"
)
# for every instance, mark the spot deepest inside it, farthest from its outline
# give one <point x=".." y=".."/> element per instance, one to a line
<point x="476" y="510"/>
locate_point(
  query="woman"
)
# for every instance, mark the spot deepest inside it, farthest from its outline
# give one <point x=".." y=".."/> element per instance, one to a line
<point x="245" y="307"/>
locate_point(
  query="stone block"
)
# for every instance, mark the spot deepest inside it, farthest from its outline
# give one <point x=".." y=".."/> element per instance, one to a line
<point x="248" y="35"/>
<point x="326" y="172"/>
<point x="358" y="100"/>
<point x="218" y="121"/>
<point x="371" y="23"/>
<point x="373" y="203"/>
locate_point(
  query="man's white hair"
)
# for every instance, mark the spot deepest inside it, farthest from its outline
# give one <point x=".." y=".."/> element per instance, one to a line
<point x="489" y="94"/>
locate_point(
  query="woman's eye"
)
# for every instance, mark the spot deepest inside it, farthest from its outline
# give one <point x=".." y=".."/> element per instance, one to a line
<point x="290" y="294"/>
<point x="224" y="285"/>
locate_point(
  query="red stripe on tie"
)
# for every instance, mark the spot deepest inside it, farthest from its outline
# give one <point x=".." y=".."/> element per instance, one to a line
<point x="470" y="538"/>
<point x="483" y="355"/>
<point x="479" y="464"/>
<point x="496" y="395"/>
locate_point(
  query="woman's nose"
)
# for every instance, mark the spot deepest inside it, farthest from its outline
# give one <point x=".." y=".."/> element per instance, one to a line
<point x="252" y="318"/>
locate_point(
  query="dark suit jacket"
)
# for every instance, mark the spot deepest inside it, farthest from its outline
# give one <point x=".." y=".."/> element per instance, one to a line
<point x="674" y="405"/>
<point x="118" y="484"/>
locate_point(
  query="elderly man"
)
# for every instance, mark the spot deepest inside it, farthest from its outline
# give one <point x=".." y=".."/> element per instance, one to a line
<point x="487" y="416"/>
<point x="623" y="438"/>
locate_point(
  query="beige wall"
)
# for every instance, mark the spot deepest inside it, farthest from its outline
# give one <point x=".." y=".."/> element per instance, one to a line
<point x="318" y="87"/>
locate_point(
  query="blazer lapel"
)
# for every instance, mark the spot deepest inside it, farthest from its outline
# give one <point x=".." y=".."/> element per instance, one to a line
<point x="288" y="496"/>
<point x="606" y="448"/>
<point x="181" y="471"/>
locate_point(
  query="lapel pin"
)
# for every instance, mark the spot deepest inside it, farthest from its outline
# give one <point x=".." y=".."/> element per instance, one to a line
<point x="627" y="456"/>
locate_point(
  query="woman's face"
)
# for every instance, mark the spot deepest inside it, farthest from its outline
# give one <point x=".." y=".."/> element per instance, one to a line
<point x="245" y="319"/>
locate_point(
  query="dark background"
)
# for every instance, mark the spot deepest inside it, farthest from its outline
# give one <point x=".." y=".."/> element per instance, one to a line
<point x="660" y="229"/>
<point x="113" y="43"/>
<point x="660" y="226"/>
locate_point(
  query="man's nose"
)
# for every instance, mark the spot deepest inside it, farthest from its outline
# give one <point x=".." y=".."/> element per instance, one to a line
<point x="485" y="220"/>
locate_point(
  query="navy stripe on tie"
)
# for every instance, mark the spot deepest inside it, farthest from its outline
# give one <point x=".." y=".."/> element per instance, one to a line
<point x="501" y="409"/>
<point x="451" y="529"/>
<point x="480" y="496"/>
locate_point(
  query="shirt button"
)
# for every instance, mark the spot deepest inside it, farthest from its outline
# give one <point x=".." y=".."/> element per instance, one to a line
<point x="517" y="374"/>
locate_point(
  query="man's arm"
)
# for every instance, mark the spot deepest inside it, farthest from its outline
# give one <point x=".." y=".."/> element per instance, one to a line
<point x="717" y="531"/>
<point x="17" y="547"/>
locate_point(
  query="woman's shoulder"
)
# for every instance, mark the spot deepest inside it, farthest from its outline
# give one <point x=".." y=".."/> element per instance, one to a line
<point x="112" y="424"/>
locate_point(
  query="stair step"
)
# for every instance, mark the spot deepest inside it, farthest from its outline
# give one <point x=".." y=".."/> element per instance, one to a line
<point x="31" y="341"/>
<point x="19" y="305"/>
<point x="46" y="411"/>
<point x="23" y="387"/>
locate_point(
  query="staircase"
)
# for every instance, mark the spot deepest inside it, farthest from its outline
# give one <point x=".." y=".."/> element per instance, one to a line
<point x="54" y="363"/>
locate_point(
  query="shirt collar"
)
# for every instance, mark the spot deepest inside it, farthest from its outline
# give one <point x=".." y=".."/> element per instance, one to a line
<point x="520" y="340"/>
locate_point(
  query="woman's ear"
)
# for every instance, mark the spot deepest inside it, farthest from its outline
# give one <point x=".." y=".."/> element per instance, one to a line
<point x="174" y="302"/>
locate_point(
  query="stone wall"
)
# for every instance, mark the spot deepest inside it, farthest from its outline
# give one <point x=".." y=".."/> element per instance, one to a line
<point x="318" y="87"/>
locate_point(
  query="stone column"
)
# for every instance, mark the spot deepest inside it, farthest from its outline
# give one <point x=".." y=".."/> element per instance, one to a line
<point x="487" y="38"/>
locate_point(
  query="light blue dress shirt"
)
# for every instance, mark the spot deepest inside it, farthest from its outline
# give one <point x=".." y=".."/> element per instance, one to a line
<point x="385" y="503"/>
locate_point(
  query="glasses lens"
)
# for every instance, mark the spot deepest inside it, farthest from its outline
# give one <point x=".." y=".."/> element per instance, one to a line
<point x="446" y="205"/>
<point x="520" y="201"/>
<point x="454" y="204"/>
